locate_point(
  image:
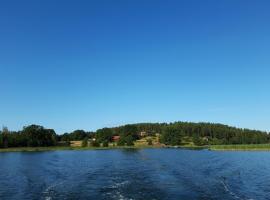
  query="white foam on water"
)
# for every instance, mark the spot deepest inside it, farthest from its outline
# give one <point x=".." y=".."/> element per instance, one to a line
<point x="235" y="196"/>
<point x="48" y="192"/>
<point x="117" y="194"/>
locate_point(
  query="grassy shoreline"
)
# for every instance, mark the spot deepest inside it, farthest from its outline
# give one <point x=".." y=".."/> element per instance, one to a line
<point x="58" y="148"/>
<point x="240" y="147"/>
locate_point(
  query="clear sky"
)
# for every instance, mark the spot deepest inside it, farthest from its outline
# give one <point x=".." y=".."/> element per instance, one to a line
<point x="89" y="64"/>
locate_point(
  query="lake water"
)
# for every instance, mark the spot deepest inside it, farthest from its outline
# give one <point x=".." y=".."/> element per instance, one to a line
<point x="135" y="174"/>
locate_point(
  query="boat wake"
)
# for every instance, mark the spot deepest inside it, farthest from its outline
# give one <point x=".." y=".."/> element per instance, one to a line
<point x="116" y="191"/>
<point x="49" y="191"/>
<point x="227" y="189"/>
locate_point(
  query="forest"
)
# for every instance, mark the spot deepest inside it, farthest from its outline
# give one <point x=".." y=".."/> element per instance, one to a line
<point x="169" y="134"/>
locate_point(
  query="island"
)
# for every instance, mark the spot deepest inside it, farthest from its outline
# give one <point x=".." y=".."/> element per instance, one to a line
<point x="190" y="135"/>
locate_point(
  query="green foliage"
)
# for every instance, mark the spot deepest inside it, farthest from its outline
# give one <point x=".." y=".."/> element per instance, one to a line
<point x="246" y="147"/>
<point x="77" y="135"/>
<point x="128" y="134"/>
<point x="171" y="136"/>
<point x="30" y="136"/>
<point x="1" y="141"/>
<point x="129" y="140"/>
<point x="38" y="136"/>
<point x="65" y="137"/>
<point x="94" y="143"/>
<point x="150" y="128"/>
<point x="126" y="141"/>
<point x="105" y="144"/>
<point x="150" y="142"/>
<point x="85" y="142"/>
<point x="104" y="135"/>
<point x="6" y="137"/>
<point x="128" y="130"/>
<point x="197" y="140"/>
<point x="121" y="142"/>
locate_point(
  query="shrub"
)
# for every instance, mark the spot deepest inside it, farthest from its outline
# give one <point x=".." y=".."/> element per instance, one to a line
<point x="149" y="142"/>
<point x="85" y="142"/>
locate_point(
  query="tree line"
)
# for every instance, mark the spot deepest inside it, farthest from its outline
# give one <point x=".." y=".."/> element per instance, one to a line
<point x="168" y="133"/>
<point x="30" y="136"/>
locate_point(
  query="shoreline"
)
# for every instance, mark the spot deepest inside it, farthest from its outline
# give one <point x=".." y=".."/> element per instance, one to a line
<point x="249" y="147"/>
<point x="57" y="148"/>
<point x="241" y="147"/>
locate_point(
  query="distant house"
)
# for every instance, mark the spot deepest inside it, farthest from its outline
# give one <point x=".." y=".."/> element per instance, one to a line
<point x="116" y="138"/>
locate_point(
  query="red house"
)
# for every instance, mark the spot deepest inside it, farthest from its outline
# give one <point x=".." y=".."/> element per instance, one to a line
<point x="116" y="138"/>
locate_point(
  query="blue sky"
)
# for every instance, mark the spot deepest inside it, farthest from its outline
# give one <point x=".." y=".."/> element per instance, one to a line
<point x="89" y="64"/>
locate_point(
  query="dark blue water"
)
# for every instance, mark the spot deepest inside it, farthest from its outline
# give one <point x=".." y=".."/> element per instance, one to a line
<point x="135" y="174"/>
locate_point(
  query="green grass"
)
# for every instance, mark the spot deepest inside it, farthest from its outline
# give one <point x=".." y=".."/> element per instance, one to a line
<point x="40" y="149"/>
<point x="244" y="147"/>
<point x="241" y="147"/>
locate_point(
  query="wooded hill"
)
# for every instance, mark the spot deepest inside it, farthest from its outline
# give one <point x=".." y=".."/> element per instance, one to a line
<point x="168" y="133"/>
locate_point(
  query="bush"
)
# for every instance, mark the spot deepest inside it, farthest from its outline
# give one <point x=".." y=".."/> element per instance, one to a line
<point x="149" y="142"/>
<point x="94" y="144"/>
<point x="121" y="142"/>
<point x="85" y="142"/>
<point x="129" y="140"/>
<point x="105" y="144"/>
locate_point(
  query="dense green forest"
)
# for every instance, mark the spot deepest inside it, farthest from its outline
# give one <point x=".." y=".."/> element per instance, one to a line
<point x="168" y="133"/>
<point x="30" y="136"/>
